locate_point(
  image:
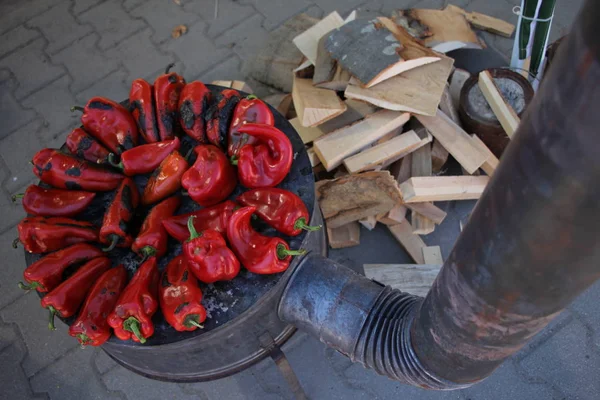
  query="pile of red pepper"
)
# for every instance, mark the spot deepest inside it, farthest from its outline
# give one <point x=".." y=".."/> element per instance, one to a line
<point x="235" y="142"/>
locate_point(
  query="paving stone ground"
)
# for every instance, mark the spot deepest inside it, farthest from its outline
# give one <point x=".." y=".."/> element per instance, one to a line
<point x="56" y="53"/>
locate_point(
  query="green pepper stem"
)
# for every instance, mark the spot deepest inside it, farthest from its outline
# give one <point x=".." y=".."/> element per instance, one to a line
<point x="251" y="97"/>
<point x="282" y="252"/>
<point x="52" y="312"/>
<point x="301" y="224"/>
<point x="188" y="154"/>
<point x="234" y="161"/>
<point x="111" y="161"/>
<point x="15" y="243"/>
<point x="169" y="68"/>
<point x="17" y="196"/>
<point x="31" y="286"/>
<point x="147" y="252"/>
<point x="132" y="325"/>
<point x="114" y="240"/>
<point x="77" y="108"/>
<point x="83" y="339"/>
<point x="192" y="320"/>
<point x="192" y="229"/>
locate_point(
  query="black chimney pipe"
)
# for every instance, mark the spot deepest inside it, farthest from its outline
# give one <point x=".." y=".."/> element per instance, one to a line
<point x="531" y="246"/>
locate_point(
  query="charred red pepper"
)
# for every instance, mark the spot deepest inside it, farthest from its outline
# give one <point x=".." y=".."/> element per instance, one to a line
<point x="142" y="107"/>
<point x="208" y="256"/>
<point x="167" y="89"/>
<point x="215" y="217"/>
<point x="66" y="298"/>
<point x="248" y="110"/>
<point x="280" y="209"/>
<point x="47" y="273"/>
<point x="152" y="239"/>
<point x="54" y="202"/>
<point x="63" y="171"/>
<point x="46" y="234"/>
<point x="84" y="146"/>
<point x="145" y="158"/>
<point x="166" y="179"/>
<point x="267" y="162"/>
<point x="258" y="253"/>
<point x="212" y="177"/>
<point x="115" y="226"/>
<point x="110" y="123"/>
<point x="180" y="297"/>
<point x="91" y="327"/>
<point x="132" y="316"/>
<point x="193" y="103"/>
<point x="218" y="117"/>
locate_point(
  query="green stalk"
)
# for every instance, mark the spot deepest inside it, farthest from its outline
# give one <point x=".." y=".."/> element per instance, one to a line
<point x="528" y="11"/>
<point x="302" y="224"/>
<point x="282" y="252"/>
<point x="132" y="325"/>
<point x="192" y="229"/>
<point x="540" y="37"/>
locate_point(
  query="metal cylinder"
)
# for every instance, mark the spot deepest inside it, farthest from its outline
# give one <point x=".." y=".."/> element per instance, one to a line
<point x="531" y="246"/>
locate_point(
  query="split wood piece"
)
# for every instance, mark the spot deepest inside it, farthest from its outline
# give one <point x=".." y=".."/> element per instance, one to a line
<point x="401" y="169"/>
<point x="455" y="140"/>
<point x="338" y="81"/>
<point x="334" y="147"/>
<point x="413" y="244"/>
<point x="325" y="66"/>
<point x="415" y="279"/>
<point x="368" y="51"/>
<point x="447" y="106"/>
<point x="457" y="81"/>
<point x="443" y="188"/>
<point x="504" y="112"/>
<point x="307" y="134"/>
<point x="429" y="210"/>
<point x="357" y="196"/>
<point x="314" y="160"/>
<point x="314" y="105"/>
<point x="307" y="42"/>
<point x="369" y="222"/>
<point x="280" y="102"/>
<point x="439" y="156"/>
<point x="395" y="148"/>
<point x="344" y="236"/>
<point x="237" y="85"/>
<point x="418" y="91"/>
<point x="491" y="163"/>
<point x="393" y="217"/>
<point x="421" y="166"/>
<point x="485" y="22"/>
<point x="433" y="255"/>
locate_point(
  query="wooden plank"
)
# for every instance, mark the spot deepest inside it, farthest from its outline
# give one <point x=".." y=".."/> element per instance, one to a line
<point x="412" y="243"/>
<point x="395" y="216"/>
<point x="455" y="140"/>
<point x="439" y="156"/>
<point x="307" y="134"/>
<point x="369" y="222"/>
<point x="491" y="163"/>
<point x="357" y="196"/>
<point x="397" y="147"/>
<point x="485" y="22"/>
<point x="334" y="147"/>
<point x="504" y="112"/>
<point x="421" y="166"/>
<point x="314" y="105"/>
<point x="314" y="160"/>
<point x="307" y="42"/>
<point x="415" y="279"/>
<point x="429" y="210"/>
<point x="443" y="25"/>
<point x="401" y="169"/>
<point x="433" y="255"/>
<point x="344" y="236"/>
<point x="443" y="188"/>
<point x="447" y="106"/>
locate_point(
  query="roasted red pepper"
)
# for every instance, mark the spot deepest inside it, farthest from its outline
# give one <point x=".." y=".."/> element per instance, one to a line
<point x="280" y="209"/>
<point x="180" y="297"/>
<point x="110" y="123"/>
<point x="208" y="256"/>
<point x="115" y="226"/>
<point x="218" y="117"/>
<point x="267" y="162"/>
<point x="91" y="327"/>
<point x="212" y="177"/>
<point x="167" y="89"/>
<point x="84" y="146"/>
<point x="215" y="217"/>
<point x="145" y="158"/>
<point x="248" y="110"/>
<point x="54" y="202"/>
<point x="47" y="273"/>
<point x="63" y="171"/>
<point x="259" y="254"/>
<point x="66" y="298"/>
<point x="142" y="107"/>
<point x="132" y="316"/>
<point x="152" y="239"/>
<point x="193" y="103"/>
<point x="46" y="234"/>
<point x="166" y="179"/>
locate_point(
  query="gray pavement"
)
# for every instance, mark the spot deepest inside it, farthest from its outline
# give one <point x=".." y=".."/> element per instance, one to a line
<point x="56" y="53"/>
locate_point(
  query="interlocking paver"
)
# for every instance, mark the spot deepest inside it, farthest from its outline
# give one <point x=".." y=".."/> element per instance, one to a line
<point x="85" y="62"/>
<point x="334" y="5"/>
<point x="229" y="13"/>
<point x="16" y="12"/>
<point x="114" y="86"/>
<point x="80" y="6"/>
<point x="31" y="67"/>
<point x="227" y="70"/>
<point x="111" y="22"/>
<point x="163" y="16"/>
<point x="61" y="381"/>
<point x="586" y="308"/>
<point x="277" y="12"/>
<point x="139" y="55"/>
<point x="59" y="27"/>
<point x="103" y="362"/>
<point x="44" y="346"/>
<point x="8" y="335"/>
<point x="13" y="114"/>
<point x="13" y="263"/>
<point x="13" y="381"/>
<point x="15" y="38"/>
<point x="246" y="38"/>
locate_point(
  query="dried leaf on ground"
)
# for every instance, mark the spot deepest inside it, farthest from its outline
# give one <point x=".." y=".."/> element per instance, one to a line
<point x="178" y="31"/>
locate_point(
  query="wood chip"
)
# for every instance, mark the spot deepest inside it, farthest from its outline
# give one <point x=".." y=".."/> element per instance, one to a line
<point x="415" y="279"/>
<point x="344" y="236"/>
<point x="443" y="188"/>
<point x="178" y="31"/>
<point x="393" y="217"/>
<point x="429" y="210"/>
